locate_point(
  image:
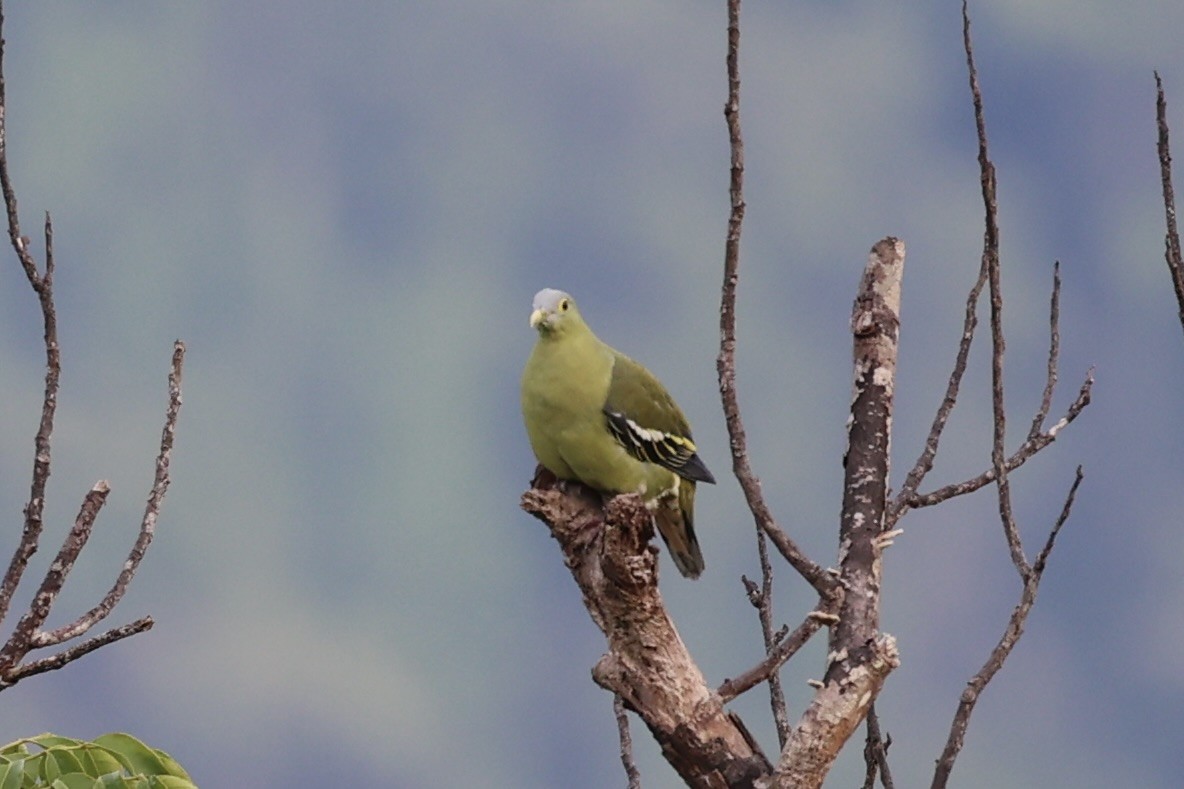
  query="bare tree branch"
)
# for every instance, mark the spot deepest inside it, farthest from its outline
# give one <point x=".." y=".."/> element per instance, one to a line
<point x="785" y="649"/>
<point x="761" y="598"/>
<point x="1172" y="254"/>
<point x="43" y="286"/>
<point x="908" y="492"/>
<point x="54" y="662"/>
<point x="835" y="712"/>
<point x="1029" y="574"/>
<point x="1026" y="451"/>
<point x="26" y="635"/>
<point x="726" y="362"/>
<point x="875" y="753"/>
<point x="875" y="324"/>
<point x="1042" y="557"/>
<point x="861" y="657"/>
<point x="21" y="639"/>
<point x="607" y="549"/>
<point x="1011" y="636"/>
<point x="1038" y="437"/>
<point x="631" y="773"/>
<point x="990" y="261"/>
<point x="160" y="486"/>
<point x="1054" y="350"/>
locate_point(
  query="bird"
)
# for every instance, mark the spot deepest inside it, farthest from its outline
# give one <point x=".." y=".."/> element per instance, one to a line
<point x="595" y="416"/>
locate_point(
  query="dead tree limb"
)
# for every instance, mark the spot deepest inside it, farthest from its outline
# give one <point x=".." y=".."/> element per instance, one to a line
<point x="27" y="635"/>
<point x="1011" y="636"/>
<point x="761" y="597"/>
<point x="861" y="657"/>
<point x="875" y="324"/>
<point x="875" y="753"/>
<point x="833" y="715"/>
<point x="606" y="546"/>
<point x="160" y="486"/>
<point x="1030" y="573"/>
<point x="726" y="361"/>
<point x="1039" y="436"/>
<point x="606" y="541"/>
<point x="1172" y="254"/>
<point x="907" y="497"/>
<point x="631" y="773"/>
<point x="786" y="648"/>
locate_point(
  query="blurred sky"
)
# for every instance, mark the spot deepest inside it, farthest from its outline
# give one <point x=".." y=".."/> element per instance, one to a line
<point x="345" y="209"/>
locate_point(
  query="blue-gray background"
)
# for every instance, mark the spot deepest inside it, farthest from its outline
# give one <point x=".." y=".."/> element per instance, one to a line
<point x="344" y="210"/>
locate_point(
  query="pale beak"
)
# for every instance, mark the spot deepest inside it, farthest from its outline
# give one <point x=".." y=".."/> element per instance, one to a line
<point x="537" y="317"/>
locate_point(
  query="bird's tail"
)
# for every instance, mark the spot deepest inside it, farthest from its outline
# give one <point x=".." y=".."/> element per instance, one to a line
<point x="674" y="522"/>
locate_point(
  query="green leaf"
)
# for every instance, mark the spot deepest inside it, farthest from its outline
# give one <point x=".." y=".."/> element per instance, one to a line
<point x="61" y="760"/>
<point x="47" y="767"/>
<point x="49" y="740"/>
<point x="173" y="769"/>
<point x="78" y="781"/>
<point x="12" y="774"/>
<point x="135" y="756"/>
<point x="115" y="760"/>
<point x="97" y="761"/>
<point x="15" y="749"/>
<point x="170" y="782"/>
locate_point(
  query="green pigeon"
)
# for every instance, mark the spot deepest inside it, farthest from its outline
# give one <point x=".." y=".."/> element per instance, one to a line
<point x="596" y="416"/>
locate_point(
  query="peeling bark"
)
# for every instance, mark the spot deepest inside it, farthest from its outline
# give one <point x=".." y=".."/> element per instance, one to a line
<point x="875" y="324"/>
<point x="607" y="548"/>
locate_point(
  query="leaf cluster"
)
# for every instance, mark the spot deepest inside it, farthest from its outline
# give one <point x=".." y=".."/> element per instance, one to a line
<point x="112" y="761"/>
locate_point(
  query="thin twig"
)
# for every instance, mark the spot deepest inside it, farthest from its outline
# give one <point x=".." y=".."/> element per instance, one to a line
<point x="66" y="656"/>
<point x="762" y="599"/>
<point x="626" y="743"/>
<point x="1172" y="252"/>
<point x="924" y="464"/>
<point x="1026" y="451"/>
<point x="726" y="361"/>
<point x="995" y="289"/>
<point x="19" y="243"/>
<point x="1011" y="636"/>
<point x="160" y="486"/>
<point x="1038" y="437"/>
<point x="875" y="753"/>
<point x="785" y="649"/>
<point x="1029" y="574"/>
<point x="26" y="635"/>
<point x="1042" y="557"/>
<point x="20" y="641"/>
<point x="42" y="285"/>
<point x="1054" y="349"/>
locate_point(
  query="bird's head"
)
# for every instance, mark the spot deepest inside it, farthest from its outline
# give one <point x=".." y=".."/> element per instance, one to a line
<point x="554" y="312"/>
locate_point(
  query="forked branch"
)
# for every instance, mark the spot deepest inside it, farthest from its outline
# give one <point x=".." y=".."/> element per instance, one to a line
<point x="1011" y="636"/>
<point x="1030" y="573"/>
<point x="606" y="546"/>
<point x="27" y="634"/>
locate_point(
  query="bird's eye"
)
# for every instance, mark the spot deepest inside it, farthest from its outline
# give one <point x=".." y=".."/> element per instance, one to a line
<point x="563" y="305"/>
